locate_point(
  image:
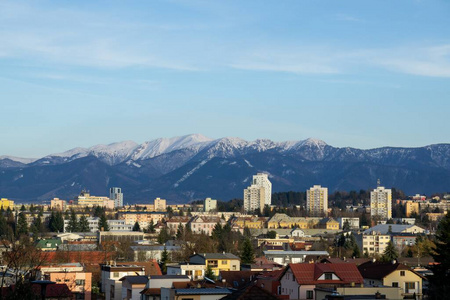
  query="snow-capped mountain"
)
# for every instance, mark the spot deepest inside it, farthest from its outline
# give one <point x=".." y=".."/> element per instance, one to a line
<point x="194" y="166"/>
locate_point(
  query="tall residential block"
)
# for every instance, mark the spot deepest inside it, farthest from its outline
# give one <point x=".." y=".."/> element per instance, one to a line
<point x="115" y="193"/>
<point x="381" y="203"/>
<point x="210" y="205"/>
<point x="160" y="204"/>
<point x="5" y="203"/>
<point x="262" y="180"/>
<point x="254" y="198"/>
<point x="317" y="201"/>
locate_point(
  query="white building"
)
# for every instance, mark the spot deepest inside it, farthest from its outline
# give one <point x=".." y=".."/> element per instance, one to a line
<point x="210" y="205"/>
<point x="262" y="180"/>
<point x="115" y="193"/>
<point x="160" y="204"/>
<point x="381" y="203"/>
<point x="317" y="201"/>
<point x="254" y="198"/>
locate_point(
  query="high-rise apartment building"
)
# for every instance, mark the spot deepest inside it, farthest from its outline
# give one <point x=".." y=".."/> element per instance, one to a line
<point x="210" y="205"/>
<point x="254" y="198"/>
<point x="262" y="180"/>
<point x="160" y="204"/>
<point x="381" y="203"/>
<point x="317" y="201"/>
<point x="115" y="193"/>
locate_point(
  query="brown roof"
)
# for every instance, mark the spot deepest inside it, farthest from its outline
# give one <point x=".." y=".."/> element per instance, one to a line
<point x="309" y="273"/>
<point x="181" y="285"/>
<point x="379" y="270"/>
<point x="151" y="266"/>
<point x="238" y="279"/>
<point x="151" y="292"/>
<point x="337" y="260"/>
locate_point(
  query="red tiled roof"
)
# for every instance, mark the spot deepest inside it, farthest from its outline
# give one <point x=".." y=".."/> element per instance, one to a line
<point x="77" y="256"/>
<point x="309" y="273"/>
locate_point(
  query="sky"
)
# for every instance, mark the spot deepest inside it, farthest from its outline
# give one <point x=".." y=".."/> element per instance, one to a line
<point x="363" y="74"/>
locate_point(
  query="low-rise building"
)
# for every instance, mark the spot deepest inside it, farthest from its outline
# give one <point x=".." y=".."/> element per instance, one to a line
<point x="144" y="218"/>
<point x="111" y="275"/>
<point x="5" y="204"/>
<point x="217" y="261"/>
<point x="202" y="224"/>
<point x="288" y="257"/>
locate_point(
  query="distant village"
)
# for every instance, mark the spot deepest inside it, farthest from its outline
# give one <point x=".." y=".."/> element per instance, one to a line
<point x="94" y="247"/>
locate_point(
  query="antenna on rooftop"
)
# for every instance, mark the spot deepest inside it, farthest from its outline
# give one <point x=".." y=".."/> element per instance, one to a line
<point x="378" y="182"/>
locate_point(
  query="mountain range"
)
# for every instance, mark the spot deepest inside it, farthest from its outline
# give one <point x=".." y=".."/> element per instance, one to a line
<point x="190" y="167"/>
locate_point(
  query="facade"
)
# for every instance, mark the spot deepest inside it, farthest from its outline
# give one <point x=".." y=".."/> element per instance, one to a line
<point x="142" y="217"/>
<point x="262" y="180"/>
<point x="86" y="200"/>
<point x="254" y="198"/>
<point x="217" y="261"/>
<point x="210" y="205"/>
<point x="381" y="203"/>
<point x="205" y="224"/>
<point x="58" y="204"/>
<point x="111" y="275"/>
<point x="374" y="243"/>
<point x="195" y="272"/>
<point x="132" y="286"/>
<point x="160" y="204"/>
<point x="292" y="257"/>
<point x="5" y="204"/>
<point x="352" y="222"/>
<point x="392" y="274"/>
<point x="411" y="207"/>
<point x="115" y="193"/>
<point x="317" y="201"/>
<point x="299" y="281"/>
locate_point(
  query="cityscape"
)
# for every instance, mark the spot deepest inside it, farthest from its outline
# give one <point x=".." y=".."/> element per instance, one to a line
<point x="224" y="150"/>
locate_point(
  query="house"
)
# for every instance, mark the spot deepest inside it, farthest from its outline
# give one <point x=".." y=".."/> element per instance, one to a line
<point x="392" y="274"/>
<point x="175" y="221"/>
<point x="192" y="293"/>
<point x="195" y="272"/>
<point x="298" y="281"/>
<point x="252" y="292"/>
<point x="203" y="224"/>
<point x="48" y="244"/>
<point x="217" y="261"/>
<point x="297" y="232"/>
<point x="292" y="257"/>
<point x="329" y="224"/>
<point x="152" y="290"/>
<point x="352" y="222"/>
<point x="261" y="264"/>
<point x="132" y="286"/>
<point x="394" y="228"/>
<point x="144" y="253"/>
<point x="111" y="275"/>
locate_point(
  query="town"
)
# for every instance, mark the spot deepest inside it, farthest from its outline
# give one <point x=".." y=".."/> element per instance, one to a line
<point x="377" y="244"/>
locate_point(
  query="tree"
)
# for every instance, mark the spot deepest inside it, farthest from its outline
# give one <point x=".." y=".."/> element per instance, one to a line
<point x="180" y="232"/>
<point x="3" y="226"/>
<point x="164" y="260"/>
<point x="209" y="273"/>
<point x="56" y="223"/>
<point x="163" y="235"/>
<point x="151" y="227"/>
<point x="72" y="226"/>
<point x="346" y="225"/>
<point x="247" y="254"/>
<point x="272" y="234"/>
<point x="22" y="225"/>
<point x="83" y="224"/>
<point x="103" y="223"/>
<point x="440" y="280"/>
<point x="390" y="253"/>
<point x="136" y="226"/>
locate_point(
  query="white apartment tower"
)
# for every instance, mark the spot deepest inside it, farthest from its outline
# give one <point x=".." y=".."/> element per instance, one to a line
<point x="317" y="201"/>
<point x="115" y="193"/>
<point x="210" y="205"/>
<point x="254" y="198"/>
<point x="262" y="180"/>
<point x="381" y="203"/>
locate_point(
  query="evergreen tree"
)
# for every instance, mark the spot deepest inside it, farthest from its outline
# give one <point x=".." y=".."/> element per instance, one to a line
<point x="22" y="208"/>
<point x="73" y="222"/>
<point x="3" y="226"/>
<point x="390" y="253"/>
<point x="163" y="235"/>
<point x="83" y="224"/>
<point x="247" y="254"/>
<point x="180" y="232"/>
<point x="346" y="226"/>
<point x="164" y="260"/>
<point x="440" y="280"/>
<point x="56" y="222"/>
<point x="22" y="225"/>
<point x="151" y="227"/>
<point x="103" y="223"/>
<point x="136" y="226"/>
<point x="209" y="273"/>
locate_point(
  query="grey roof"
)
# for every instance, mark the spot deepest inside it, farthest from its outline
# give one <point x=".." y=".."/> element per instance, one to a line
<point x="135" y="279"/>
<point x="395" y="228"/>
<point x="169" y="277"/>
<point x="206" y="291"/>
<point x="218" y="256"/>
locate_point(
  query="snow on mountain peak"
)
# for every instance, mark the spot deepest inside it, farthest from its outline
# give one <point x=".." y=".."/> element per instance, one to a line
<point x="312" y="142"/>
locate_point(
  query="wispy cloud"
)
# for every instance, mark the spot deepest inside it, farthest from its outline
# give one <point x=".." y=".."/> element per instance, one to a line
<point x="347" y="18"/>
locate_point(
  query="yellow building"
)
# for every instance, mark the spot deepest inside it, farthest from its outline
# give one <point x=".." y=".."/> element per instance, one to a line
<point x="411" y="207"/>
<point x="217" y="261"/>
<point x="160" y="204"/>
<point x="58" y="204"/>
<point x="5" y="203"/>
<point x="86" y="200"/>
<point x="317" y="201"/>
<point x="249" y="222"/>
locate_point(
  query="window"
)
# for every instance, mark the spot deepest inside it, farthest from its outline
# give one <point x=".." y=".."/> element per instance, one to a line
<point x="223" y="262"/>
<point x="328" y="276"/>
<point x="80" y="282"/>
<point x="116" y="274"/>
<point x="410" y="286"/>
<point x="395" y="284"/>
<point x="309" y="294"/>
<point x="402" y="273"/>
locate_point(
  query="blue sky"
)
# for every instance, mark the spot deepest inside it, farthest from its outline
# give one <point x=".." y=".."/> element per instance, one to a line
<point x="353" y="73"/>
